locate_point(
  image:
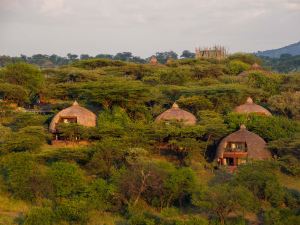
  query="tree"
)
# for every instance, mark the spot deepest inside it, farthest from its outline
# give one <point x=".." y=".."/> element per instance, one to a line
<point x="221" y="200"/>
<point x="162" y="57"/>
<point x="39" y="216"/>
<point x="72" y="57"/>
<point x="186" y="54"/>
<point x="260" y="179"/>
<point x="72" y="131"/>
<point x="237" y="66"/>
<point x="84" y="56"/>
<point x="108" y="156"/>
<point x="66" y="179"/>
<point x="174" y="76"/>
<point x="29" y="138"/>
<point x="287" y="103"/>
<point x="100" y="194"/>
<point x="195" y="103"/>
<point x="20" y="171"/>
<point x="25" y="75"/>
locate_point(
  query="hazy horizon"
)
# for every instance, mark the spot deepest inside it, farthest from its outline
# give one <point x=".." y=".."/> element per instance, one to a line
<point x="145" y="27"/>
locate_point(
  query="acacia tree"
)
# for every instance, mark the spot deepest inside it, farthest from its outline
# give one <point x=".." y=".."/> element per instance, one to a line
<point x="25" y="75"/>
<point x="221" y="200"/>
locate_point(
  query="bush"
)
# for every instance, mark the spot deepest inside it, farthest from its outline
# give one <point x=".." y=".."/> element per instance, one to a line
<point x="26" y="139"/>
<point x="67" y="179"/>
<point x="100" y="194"/>
<point x="174" y="76"/>
<point x="260" y="179"/>
<point x="74" y="211"/>
<point x="23" y="177"/>
<point x="39" y="216"/>
<point x="237" y="66"/>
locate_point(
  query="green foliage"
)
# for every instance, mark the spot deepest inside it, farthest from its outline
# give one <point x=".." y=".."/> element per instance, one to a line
<point x="74" y="211"/>
<point x="67" y="179"/>
<point x="101" y="194"/>
<point x="72" y="131"/>
<point x="39" y="216"/>
<point x="24" y="75"/>
<point x="13" y="93"/>
<point x="138" y="170"/>
<point x="261" y="180"/>
<point x="268" y="83"/>
<point x="18" y="170"/>
<point x="72" y="74"/>
<point x="221" y="200"/>
<point x="97" y="63"/>
<point x="29" y="138"/>
<point x="237" y="66"/>
<point x="108" y="155"/>
<point x="281" y="217"/>
<point x="178" y="76"/>
<point x="287" y="103"/>
<point x="269" y="128"/>
<point x="195" y="103"/>
<point x="246" y="58"/>
<point x="208" y="70"/>
<point x="22" y="120"/>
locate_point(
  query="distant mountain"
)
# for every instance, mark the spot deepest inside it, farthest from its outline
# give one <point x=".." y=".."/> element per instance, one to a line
<point x="293" y="49"/>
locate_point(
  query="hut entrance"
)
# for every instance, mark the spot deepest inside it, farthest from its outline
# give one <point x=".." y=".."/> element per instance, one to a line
<point x="230" y="161"/>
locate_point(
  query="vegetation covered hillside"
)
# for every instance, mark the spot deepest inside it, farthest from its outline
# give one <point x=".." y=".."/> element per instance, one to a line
<point x="293" y="50"/>
<point x="134" y="171"/>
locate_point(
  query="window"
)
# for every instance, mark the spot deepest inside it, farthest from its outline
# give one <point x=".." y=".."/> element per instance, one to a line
<point x="236" y="147"/>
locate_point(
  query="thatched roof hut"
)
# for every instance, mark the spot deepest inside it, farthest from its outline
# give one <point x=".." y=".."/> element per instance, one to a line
<point x="242" y="144"/>
<point x="74" y="114"/>
<point x="251" y="107"/>
<point x="254" y="68"/>
<point x="177" y="114"/>
<point x="153" y="60"/>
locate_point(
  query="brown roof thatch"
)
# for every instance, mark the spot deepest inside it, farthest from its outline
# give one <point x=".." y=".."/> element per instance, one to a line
<point x="254" y="68"/>
<point x="256" y="146"/>
<point x="251" y="107"/>
<point x="177" y="114"/>
<point x="153" y="60"/>
<point x="83" y="116"/>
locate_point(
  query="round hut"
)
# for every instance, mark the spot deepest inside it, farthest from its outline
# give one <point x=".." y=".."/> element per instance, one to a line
<point x="251" y="107"/>
<point x="238" y="147"/>
<point x="177" y="114"/>
<point x="254" y="68"/>
<point x="73" y="114"/>
<point x="153" y="60"/>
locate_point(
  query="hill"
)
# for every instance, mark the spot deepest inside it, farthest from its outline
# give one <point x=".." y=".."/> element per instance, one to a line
<point x="293" y="49"/>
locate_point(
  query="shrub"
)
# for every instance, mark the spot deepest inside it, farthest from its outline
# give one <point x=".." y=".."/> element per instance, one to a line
<point x="67" y="179"/>
<point x="237" y="66"/>
<point x="39" y="216"/>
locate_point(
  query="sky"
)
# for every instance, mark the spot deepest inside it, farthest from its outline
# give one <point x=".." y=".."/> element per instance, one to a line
<point x="145" y="27"/>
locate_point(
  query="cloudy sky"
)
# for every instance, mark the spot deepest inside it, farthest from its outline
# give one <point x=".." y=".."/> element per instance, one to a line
<point x="145" y="27"/>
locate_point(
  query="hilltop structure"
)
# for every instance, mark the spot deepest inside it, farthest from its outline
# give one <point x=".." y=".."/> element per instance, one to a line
<point x="177" y="114"/>
<point x="73" y="114"/>
<point x="251" y="107"/>
<point x="216" y="52"/>
<point x="240" y="146"/>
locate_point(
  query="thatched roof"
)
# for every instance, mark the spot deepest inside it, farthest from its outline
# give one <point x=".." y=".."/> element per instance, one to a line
<point x="256" y="146"/>
<point x="254" y="68"/>
<point x="251" y="107"/>
<point x="153" y="60"/>
<point x="84" y="116"/>
<point x="177" y="114"/>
